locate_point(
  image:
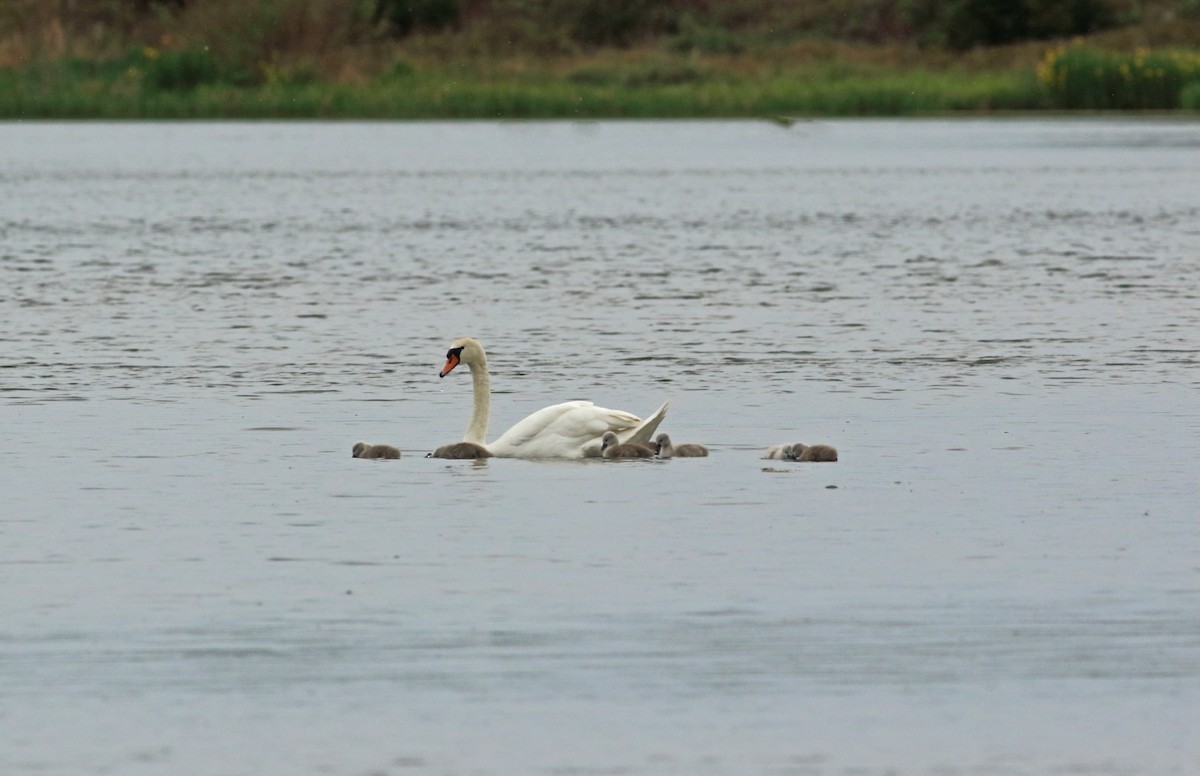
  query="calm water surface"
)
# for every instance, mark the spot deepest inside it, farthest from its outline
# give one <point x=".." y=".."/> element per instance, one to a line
<point x="995" y="322"/>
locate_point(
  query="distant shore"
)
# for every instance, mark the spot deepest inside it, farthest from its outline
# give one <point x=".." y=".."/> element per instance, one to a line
<point x="1066" y="80"/>
<point x="190" y="64"/>
<point x="686" y="94"/>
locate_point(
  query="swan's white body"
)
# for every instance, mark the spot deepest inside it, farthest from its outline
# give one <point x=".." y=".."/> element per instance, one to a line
<point x="572" y="429"/>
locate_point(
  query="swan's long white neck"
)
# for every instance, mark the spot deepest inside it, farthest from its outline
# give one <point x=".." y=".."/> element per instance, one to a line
<point x="477" y="431"/>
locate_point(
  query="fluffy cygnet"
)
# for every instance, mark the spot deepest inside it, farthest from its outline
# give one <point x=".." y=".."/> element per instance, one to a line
<point x="779" y="453"/>
<point x="611" y="448"/>
<point x="460" y="450"/>
<point x="668" y="450"/>
<point x="364" y="450"/>
<point x="802" y="452"/>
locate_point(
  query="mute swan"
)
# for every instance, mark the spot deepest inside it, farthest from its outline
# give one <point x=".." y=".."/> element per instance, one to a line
<point x="569" y="430"/>
<point x="460" y="450"/>
<point x="611" y="448"/>
<point x="668" y="450"/>
<point x="364" y="450"/>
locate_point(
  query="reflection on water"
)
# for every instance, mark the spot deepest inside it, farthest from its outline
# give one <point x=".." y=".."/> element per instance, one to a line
<point x="993" y="321"/>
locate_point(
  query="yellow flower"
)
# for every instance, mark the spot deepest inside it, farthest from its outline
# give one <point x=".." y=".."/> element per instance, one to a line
<point x="150" y="52"/>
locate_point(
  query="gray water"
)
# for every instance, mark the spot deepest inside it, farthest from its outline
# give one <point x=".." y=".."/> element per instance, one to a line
<point x="994" y="321"/>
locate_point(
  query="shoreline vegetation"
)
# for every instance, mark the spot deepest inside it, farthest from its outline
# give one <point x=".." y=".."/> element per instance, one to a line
<point x="526" y="59"/>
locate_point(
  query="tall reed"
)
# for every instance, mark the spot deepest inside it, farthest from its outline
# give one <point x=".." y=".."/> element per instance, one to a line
<point x="1077" y="77"/>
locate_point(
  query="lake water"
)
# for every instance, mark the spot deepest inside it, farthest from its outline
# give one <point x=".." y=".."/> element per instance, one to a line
<point x="994" y="321"/>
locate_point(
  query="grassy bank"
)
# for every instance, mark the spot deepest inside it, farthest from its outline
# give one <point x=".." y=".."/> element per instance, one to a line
<point x="656" y="91"/>
<point x="177" y="59"/>
<point x="1080" y="77"/>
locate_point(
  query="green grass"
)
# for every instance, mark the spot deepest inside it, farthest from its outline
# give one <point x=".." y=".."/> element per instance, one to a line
<point x="184" y="81"/>
<point x="565" y="58"/>
<point x="623" y="93"/>
<point x="1080" y="77"/>
<point x="1189" y="98"/>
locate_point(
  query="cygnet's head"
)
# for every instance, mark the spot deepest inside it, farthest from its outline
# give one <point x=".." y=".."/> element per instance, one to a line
<point x="358" y="449"/>
<point x="608" y="440"/>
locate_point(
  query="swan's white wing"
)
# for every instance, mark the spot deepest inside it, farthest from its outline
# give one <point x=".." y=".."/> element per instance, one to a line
<point x="638" y="434"/>
<point x="568" y="430"/>
<point x="641" y="433"/>
<point x="535" y="428"/>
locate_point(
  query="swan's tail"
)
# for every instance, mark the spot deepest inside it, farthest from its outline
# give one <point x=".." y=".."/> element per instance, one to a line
<point x="641" y="433"/>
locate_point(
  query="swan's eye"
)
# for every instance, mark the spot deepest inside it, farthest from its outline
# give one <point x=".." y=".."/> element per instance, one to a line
<point x="454" y="352"/>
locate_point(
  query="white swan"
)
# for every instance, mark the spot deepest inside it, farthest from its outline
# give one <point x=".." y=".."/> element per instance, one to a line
<point x="572" y="429"/>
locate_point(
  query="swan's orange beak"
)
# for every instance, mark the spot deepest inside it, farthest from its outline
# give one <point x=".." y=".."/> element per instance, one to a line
<point x="451" y="362"/>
